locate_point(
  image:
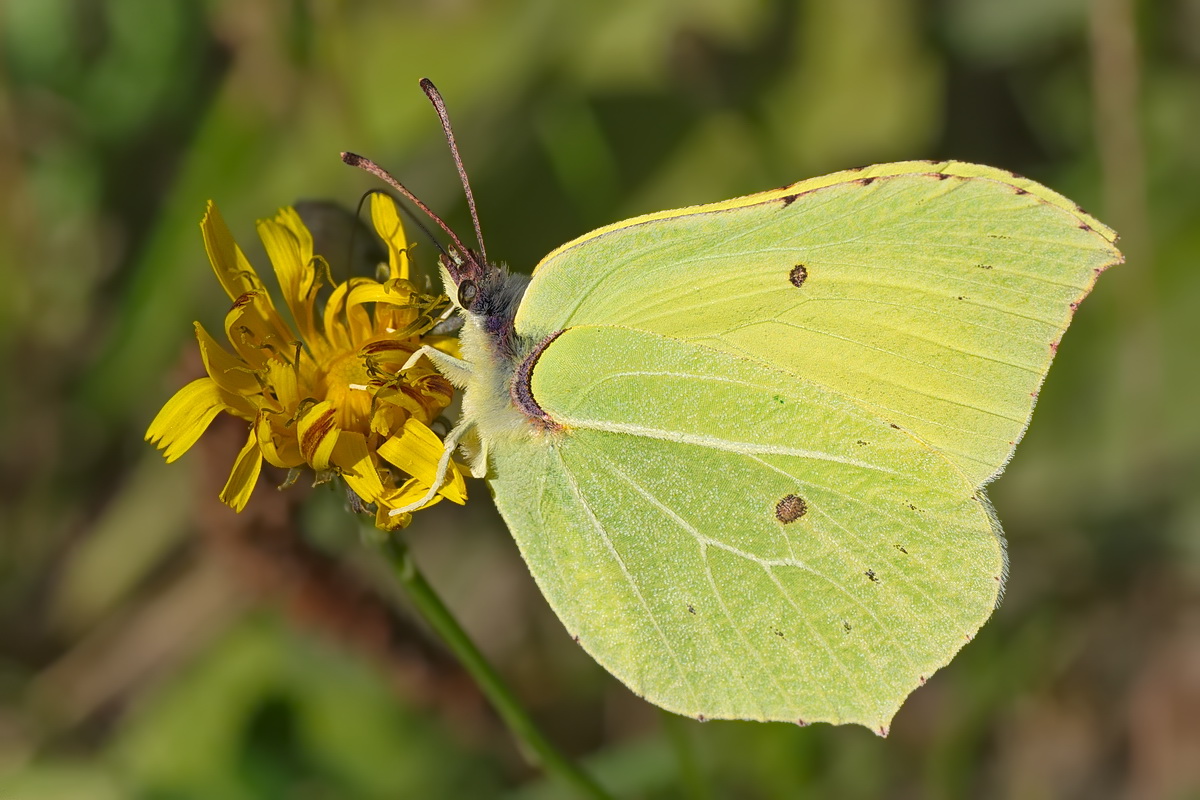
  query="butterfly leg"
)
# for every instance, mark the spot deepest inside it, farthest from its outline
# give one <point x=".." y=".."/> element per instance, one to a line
<point x="450" y="445"/>
<point x="456" y="370"/>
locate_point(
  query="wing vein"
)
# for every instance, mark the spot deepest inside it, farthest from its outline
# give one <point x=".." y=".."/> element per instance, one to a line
<point x="620" y="562"/>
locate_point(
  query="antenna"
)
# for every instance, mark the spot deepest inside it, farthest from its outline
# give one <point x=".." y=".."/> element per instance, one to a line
<point x="363" y="163"/>
<point x="439" y="105"/>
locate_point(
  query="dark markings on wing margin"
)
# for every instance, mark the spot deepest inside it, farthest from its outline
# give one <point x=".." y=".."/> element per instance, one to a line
<point x="522" y="391"/>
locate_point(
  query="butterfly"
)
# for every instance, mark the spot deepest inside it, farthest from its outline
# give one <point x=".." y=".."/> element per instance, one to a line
<point x="743" y="446"/>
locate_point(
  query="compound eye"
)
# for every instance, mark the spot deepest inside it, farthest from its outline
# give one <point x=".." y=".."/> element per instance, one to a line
<point x="467" y="292"/>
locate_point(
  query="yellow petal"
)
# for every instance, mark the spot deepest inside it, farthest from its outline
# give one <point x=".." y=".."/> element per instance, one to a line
<point x="386" y="217"/>
<point x="402" y="398"/>
<point x="386" y="522"/>
<point x="387" y="356"/>
<point x="185" y="417"/>
<point x="318" y="434"/>
<point x="447" y="344"/>
<point x="244" y="475"/>
<point x="423" y="396"/>
<point x="257" y="332"/>
<point x="290" y="219"/>
<point x="282" y="378"/>
<point x="417" y="451"/>
<point x="386" y="419"/>
<point x="244" y="406"/>
<point x="336" y="325"/>
<point x="278" y="448"/>
<point x="372" y="292"/>
<point x="410" y="492"/>
<point x="357" y="318"/>
<point x="233" y="270"/>
<point x="227" y="370"/>
<point x="292" y="268"/>
<point x="354" y="459"/>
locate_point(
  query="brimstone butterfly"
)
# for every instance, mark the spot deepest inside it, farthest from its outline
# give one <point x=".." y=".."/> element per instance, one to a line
<point x="743" y="446"/>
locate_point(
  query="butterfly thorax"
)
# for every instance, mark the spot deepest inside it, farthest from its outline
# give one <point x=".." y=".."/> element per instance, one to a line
<point x="493" y="295"/>
<point x="496" y="354"/>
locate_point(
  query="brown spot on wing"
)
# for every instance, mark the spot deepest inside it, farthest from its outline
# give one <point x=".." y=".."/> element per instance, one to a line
<point x="798" y="275"/>
<point x="791" y="508"/>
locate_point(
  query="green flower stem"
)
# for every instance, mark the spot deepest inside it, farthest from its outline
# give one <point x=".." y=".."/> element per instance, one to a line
<point x="434" y="611"/>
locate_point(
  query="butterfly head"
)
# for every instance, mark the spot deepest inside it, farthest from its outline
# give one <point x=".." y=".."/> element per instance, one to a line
<point x="484" y="291"/>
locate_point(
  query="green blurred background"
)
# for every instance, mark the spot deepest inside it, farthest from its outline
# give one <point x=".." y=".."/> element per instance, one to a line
<point x="154" y="645"/>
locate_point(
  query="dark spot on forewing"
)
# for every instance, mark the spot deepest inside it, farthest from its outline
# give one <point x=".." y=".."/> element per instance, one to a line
<point x="846" y="626"/>
<point x="865" y="181"/>
<point x="1019" y="190"/>
<point x="798" y="275"/>
<point x="790" y="508"/>
<point x="788" y="199"/>
<point x="984" y="266"/>
<point x="871" y="576"/>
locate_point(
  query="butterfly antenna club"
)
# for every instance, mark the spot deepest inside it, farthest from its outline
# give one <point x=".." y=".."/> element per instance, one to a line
<point x="439" y="105"/>
<point x="408" y="212"/>
<point x="366" y="164"/>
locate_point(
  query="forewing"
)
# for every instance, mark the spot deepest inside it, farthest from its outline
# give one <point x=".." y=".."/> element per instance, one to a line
<point x="933" y="295"/>
<point x="732" y="542"/>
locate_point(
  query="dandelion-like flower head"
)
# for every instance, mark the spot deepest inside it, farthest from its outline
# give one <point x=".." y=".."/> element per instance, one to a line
<point x="331" y="394"/>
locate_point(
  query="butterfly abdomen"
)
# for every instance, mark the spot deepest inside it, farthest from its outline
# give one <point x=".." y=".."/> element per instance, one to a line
<point x="498" y="399"/>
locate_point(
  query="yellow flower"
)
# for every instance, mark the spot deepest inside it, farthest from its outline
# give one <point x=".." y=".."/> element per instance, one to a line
<point x="333" y="398"/>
